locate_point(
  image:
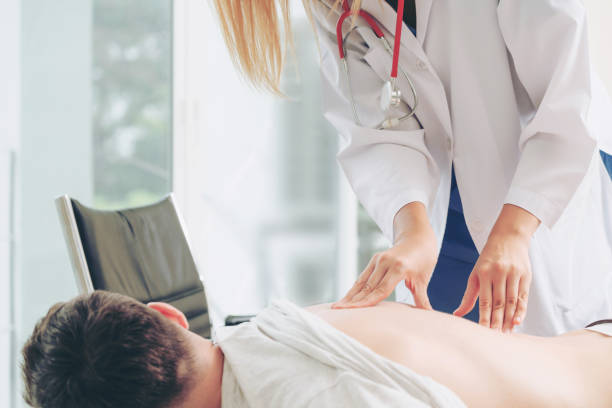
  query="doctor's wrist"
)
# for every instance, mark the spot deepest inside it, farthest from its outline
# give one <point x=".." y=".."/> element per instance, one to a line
<point x="515" y="222"/>
<point x="411" y="220"/>
<point x="424" y="235"/>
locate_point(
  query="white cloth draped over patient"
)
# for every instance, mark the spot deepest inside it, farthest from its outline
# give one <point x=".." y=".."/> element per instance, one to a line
<point x="289" y="357"/>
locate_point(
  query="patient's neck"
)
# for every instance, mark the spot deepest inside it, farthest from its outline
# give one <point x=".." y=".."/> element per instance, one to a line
<point x="206" y="375"/>
<point x="214" y="377"/>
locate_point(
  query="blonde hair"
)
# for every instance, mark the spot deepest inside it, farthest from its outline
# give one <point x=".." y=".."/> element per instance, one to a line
<point x="258" y="34"/>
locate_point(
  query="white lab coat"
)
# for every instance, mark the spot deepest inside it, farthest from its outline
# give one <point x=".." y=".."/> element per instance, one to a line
<point x="507" y="95"/>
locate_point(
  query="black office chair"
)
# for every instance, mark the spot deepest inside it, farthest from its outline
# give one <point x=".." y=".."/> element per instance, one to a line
<point x="140" y="252"/>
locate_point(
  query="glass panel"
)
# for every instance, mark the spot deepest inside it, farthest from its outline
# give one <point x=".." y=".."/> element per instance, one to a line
<point x="132" y="101"/>
<point x="301" y="236"/>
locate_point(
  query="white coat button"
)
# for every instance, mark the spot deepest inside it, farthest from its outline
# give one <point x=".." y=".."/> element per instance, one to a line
<point x="421" y="65"/>
<point x="449" y="144"/>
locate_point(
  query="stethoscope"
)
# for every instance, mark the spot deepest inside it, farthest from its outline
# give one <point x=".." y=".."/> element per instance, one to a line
<point x="390" y="96"/>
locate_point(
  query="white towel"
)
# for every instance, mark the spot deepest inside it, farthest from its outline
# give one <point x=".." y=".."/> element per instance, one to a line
<point x="289" y="357"/>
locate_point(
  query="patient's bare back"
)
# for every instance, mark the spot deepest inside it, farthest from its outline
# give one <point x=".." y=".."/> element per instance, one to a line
<point x="466" y="357"/>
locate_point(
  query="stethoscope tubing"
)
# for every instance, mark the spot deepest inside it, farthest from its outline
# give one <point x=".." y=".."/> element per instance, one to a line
<point x="394" y="53"/>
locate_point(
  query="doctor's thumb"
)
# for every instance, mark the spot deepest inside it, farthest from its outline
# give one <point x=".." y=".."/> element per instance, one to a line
<point x="468" y="301"/>
<point x="421" y="300"/>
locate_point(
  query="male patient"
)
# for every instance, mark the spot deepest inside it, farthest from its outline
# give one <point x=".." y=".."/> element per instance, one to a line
<point x="108" y="350"/>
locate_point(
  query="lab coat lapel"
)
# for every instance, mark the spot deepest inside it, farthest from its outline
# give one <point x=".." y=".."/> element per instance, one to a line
<point x="423" y="10"/>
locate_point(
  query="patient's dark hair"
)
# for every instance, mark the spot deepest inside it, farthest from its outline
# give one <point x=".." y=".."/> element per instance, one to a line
<point x="105" y="350"/>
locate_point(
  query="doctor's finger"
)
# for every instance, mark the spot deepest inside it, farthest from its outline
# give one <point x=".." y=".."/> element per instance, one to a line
<point x="485" y="298"/>
<point x="469" y="297"/>
<point x="421" y="300"/>
<point x="499" y="302"/>
<point x="521" y="304"/>
<point x="375" y="277"/>
<point x="381" y="291"/>
<point x="512" y="288"/>
<point x="381" y="271"/>
<point x="358" y="285"/>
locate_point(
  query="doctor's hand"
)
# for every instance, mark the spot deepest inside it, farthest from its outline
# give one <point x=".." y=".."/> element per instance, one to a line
<point x="502" y="275"/>
<point x="412" y="259"/>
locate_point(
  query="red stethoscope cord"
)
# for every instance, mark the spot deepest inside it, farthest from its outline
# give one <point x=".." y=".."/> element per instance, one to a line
<point x="370" y="20"/>
<point x="366" y="16"/>
<point x="398" y="37"/>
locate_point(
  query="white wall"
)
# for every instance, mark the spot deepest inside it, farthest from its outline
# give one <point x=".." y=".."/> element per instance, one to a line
<point x="55" y="145"/>
<point x="9" y="132"/>
<point x="5" y="281"/>
<point x="54" y="148"/>
<point x="6" y="321"/>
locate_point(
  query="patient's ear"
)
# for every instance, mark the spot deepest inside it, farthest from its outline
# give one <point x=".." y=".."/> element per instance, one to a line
<point x="170" y="312"/>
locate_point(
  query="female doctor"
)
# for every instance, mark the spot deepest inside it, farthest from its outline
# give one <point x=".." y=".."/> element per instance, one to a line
<point x="492" y="177"/>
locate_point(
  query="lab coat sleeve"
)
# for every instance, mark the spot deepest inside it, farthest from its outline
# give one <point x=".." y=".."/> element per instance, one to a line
<point x="547" y="41"/>
<point x="387" y="169"/>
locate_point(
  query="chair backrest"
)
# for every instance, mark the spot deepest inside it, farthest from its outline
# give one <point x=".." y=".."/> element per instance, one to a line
<point x="140" y="252"/>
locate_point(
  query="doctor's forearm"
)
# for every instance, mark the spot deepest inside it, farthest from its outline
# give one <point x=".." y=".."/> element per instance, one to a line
<point x="411" y="219"/>
<point x="515" y="221"/>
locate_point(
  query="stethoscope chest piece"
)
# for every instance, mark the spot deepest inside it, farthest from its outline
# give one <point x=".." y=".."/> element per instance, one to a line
<point x="390" y="96"/>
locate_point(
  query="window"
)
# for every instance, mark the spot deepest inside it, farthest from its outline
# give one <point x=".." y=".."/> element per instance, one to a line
<point x="132" y="101"/>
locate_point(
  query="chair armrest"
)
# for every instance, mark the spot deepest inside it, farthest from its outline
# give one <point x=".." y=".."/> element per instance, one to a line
<point x="234" y="320"/>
